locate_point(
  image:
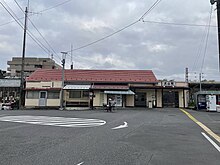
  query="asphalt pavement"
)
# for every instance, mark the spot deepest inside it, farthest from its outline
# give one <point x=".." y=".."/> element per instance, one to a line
<point x="88" y="137"/>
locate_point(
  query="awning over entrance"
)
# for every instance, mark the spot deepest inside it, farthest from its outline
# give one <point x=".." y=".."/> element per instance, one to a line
<point x="128" y="92"/>
<point x="84" y="87"/>
<point x="110" y="87"/>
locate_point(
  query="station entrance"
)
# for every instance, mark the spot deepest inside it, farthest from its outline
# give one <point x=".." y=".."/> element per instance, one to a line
<point x="171" y="99"/>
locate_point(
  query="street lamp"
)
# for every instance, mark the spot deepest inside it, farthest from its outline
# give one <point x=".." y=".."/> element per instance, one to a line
<point x="63" y="76"/>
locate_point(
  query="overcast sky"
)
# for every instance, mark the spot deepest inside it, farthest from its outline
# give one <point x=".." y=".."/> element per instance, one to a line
<point x="166" y="49"/>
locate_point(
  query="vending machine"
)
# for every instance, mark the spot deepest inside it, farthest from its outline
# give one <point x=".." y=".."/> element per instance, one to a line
<point x="211" y="102"/>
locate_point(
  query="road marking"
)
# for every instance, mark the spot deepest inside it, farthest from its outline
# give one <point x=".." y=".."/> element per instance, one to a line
<point x="209" y="131"/>
<point x="121" y="126"/>
<point x="3" y="115"/>
<point x="211" y="141"/>
<point x="80" y="163"/>
<point x="54" y="121"/>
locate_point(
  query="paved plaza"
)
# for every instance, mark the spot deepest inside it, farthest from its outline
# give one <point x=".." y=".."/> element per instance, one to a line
<point x="95" y="137"/>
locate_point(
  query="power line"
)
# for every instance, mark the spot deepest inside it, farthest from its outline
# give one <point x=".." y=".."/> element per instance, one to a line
<point x="199" y="52"/>
<point x="207" y="38"/>
<point x="151" y="8"/>
<point x="41" y="11"/>
<point x="44" y="47"/>
<point x="55" y="6"/>
<point x="178" y="24"/>
<point x="103" y="38"/>
<point x="39" y="32"/>
<point x="19" y="6"/>
<point x="29" y="33"/>
<point x="44" y="39"/>
<point x="122" y="29"/>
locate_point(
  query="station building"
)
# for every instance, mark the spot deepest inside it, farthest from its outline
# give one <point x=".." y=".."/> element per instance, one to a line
<point x="93" y="88"/>
<point x="9" y="90"/>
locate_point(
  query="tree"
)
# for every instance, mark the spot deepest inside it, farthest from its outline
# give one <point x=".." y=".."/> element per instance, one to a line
<point x="2" y="74"/>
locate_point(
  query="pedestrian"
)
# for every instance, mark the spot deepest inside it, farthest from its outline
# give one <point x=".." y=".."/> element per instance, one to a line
<point x="109" y="105"/>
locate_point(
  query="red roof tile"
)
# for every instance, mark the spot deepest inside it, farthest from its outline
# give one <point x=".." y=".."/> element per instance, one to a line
<point x="112" y="76"/>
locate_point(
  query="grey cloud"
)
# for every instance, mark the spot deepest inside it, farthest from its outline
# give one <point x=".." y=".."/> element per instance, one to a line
<point x="164" y="48"/>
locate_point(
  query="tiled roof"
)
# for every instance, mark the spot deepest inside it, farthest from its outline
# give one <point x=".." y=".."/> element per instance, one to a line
<point x="112" y="76"/>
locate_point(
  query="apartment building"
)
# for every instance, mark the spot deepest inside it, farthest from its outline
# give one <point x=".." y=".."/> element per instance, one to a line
<point x="30" y="65"/>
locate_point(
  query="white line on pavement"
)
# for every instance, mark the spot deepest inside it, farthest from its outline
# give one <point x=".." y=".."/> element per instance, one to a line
<point x="80" y="163"/>
<point x="54" y="121"/>
<point x="3" y="115"/>
<point x="211" y="141"/>
<point x="121" y="126"/>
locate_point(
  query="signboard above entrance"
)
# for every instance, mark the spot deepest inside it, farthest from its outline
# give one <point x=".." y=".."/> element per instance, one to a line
<point x="170" y="83"/>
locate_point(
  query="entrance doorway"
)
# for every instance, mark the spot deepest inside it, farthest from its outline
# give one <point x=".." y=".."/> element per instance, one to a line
<point x="43" y="98"/>
<point x="117" y="99"/>
<point x="171" y="99"/>
<point x="140" y="99"/>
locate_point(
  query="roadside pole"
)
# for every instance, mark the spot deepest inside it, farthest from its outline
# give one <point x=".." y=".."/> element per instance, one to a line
<point x="21" y="97"/>
<point x="63" y="77"/>
<point x="218" y="21"/>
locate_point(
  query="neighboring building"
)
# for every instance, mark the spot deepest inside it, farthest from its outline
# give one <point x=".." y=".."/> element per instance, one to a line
<point x="30" y="65"/>
<point x="9" y="90"/>
<point x="128" y="88"/>
<point x="198" y="98"/>
<point x="205" y="86"/>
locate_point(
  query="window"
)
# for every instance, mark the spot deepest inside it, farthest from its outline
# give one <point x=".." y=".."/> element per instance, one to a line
<point x="53" y="95"/>
<point x="85" y="94"/>
<point x="75" y="94"/>
<point x="32" y="95"/>
<point x="78" y="94"/>
<point x="38" y="66"/>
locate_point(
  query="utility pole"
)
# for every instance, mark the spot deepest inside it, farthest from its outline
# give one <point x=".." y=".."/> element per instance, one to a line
<point x="71" y="67"/>
<point x="218" y="21"/>
<point x="187" y="75"/>
<point x="200" y="81"/>
<point x="63" y="77"/>
<point x="21" y="99"/>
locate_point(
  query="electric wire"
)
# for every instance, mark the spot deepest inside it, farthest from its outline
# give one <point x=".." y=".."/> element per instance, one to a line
<point x="19" y="6"/>
<point x="39" y="32"/>
<point x="204" y="36"/>
<point x="41" y="11"/>
<point x="178" y="24"/>
<point x="207" y="39"/>
<point x="55" y="6"/>
<point x="120" y="30"/>
<point x="199" y="51"/>
<point x="151" y="8"/>
<point x="28" y="32"/>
